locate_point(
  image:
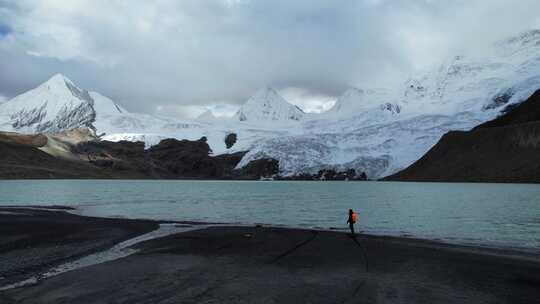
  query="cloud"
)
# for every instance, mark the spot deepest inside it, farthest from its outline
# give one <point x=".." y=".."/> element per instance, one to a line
<point x="186" y="111"/>
<point x="223" y="109"/>
<point x="151" y="55"/>
<point x="308" y="101"/>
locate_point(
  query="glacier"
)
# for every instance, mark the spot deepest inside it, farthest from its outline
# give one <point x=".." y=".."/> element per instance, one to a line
<point x="374" y="130"/>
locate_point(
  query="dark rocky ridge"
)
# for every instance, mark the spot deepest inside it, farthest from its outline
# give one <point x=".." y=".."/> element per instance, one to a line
<point x="20" y="157"/>
<point x="506" y="149"/>
<point x="525" y="112"/>
<point x="171" y="158"/>
<point x="329" y="175"/>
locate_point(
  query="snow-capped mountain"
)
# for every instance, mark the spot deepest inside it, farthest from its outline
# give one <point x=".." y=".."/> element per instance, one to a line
<point x="379" y="131"/>
<point x="267" y="105"/>
<point x="53" y="106"/>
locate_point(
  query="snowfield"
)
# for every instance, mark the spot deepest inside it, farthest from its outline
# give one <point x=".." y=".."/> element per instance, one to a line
<point x="377" y="131"/>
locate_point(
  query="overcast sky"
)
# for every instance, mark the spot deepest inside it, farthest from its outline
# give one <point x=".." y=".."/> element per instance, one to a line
<point x="180" y="57"/>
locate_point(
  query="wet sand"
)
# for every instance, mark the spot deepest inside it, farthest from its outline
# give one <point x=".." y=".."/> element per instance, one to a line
<point x="38" y="238"/>
<point x="273" y="265"/>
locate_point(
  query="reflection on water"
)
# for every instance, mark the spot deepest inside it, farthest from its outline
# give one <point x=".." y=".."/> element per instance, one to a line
<point x="489" y="214"/>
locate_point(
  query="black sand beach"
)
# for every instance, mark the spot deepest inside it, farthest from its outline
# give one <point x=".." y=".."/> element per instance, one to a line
<point x="33" y="240"/>
<point x="252" y="265"/>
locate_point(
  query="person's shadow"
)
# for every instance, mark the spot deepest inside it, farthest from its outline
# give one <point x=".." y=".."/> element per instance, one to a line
<point x="364" y="253"/>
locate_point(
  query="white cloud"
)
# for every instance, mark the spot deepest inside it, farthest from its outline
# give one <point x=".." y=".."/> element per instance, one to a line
<point x="150" y="54"/>
<point x="223" y="109"/>
<point x="308" y="101"/>
<point x="175" y="111"/>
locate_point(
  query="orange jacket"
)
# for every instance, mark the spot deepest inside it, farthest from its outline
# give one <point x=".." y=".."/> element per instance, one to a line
<point x="353" y="217"/>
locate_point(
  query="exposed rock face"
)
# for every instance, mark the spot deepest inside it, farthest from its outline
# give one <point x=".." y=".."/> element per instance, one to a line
<point x="330" y="175"/>
<point x="390" y="107"/>
<point x="170" y="158"/>
<point x="500" y="99"/>
<point x="82" y="115"/>
<point x="38" y="140"/>
<point x="525" y="112"/>
<point x="24" y="156"/>
<point x="184" y="158"/>
<point x="506" y="149"/>
<point x="264" y="167"/>
<point x="124" y="156"/>
<point x="230" y="140"/>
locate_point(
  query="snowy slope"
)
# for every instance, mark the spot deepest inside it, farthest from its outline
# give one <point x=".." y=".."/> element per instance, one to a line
<point x="477" y="83"/>
<point x="354" y="101"/>
<point x="105" y="106"/>
<point x="207" y="116"/>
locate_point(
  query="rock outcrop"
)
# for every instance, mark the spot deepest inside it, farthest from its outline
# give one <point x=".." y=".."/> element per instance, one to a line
<point x="35" y="156"/>
<point x="170" y="158"/>
<point x="190" y="159"/>
<point x="329" y="175"/>
<point x="23" y="160"/>
<point x="230" y="140"/>
<point x="264" y="167"/>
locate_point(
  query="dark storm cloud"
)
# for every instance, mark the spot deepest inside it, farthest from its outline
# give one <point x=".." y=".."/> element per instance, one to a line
<point x="168" y="54"/>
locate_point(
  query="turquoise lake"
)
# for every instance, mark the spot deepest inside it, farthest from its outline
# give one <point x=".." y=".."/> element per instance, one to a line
<point x="496" y="215"/>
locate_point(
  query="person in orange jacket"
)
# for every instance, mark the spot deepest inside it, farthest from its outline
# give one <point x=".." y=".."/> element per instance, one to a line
<point x="352" y="220"/>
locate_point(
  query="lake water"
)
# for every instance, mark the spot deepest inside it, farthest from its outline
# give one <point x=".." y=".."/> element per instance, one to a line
<point x="501" y="215"/>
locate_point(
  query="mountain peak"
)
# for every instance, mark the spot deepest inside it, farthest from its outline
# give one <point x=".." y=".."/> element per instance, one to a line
<point x="59" y="84"/>
<point x="207" y="116"/>
<point x="266" y="104"/>
<point x="58" y="79"/>
<point x="55" y="105"/>
<point x="266" y="96"/>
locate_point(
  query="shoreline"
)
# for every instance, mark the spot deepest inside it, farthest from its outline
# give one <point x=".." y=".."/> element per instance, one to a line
<point x="36" y="238"/>
<point x="505" y="249"/>
<point x="380" y="180"/>
<point x="207" y="261"/>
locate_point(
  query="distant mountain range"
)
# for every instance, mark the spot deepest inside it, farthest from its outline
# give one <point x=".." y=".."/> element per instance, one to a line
<point x="379" y="131"/>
